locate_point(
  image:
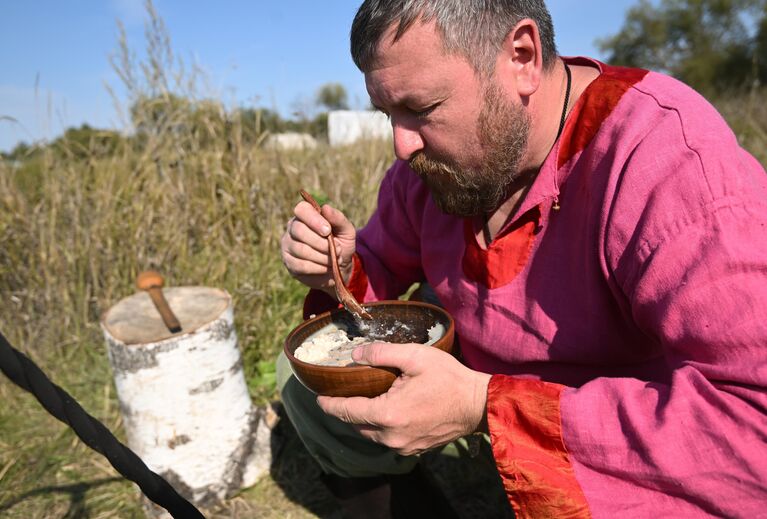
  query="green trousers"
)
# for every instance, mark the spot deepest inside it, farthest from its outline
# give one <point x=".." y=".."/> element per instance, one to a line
<point x="336" y="445"/>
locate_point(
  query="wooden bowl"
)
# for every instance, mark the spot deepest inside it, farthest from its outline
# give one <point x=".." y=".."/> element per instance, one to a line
<point x="366" y="381"/>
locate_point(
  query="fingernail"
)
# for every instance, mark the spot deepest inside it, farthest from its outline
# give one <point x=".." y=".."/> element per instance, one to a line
<point x="357" y="354"/>
<point x="325" y="230"/>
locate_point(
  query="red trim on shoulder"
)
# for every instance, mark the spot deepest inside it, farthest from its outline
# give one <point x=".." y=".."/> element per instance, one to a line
<point x="506" y="256"/>
<point x="526" y="437"/>
<point x="594" y="106"/>
<point x="317" y="301"/>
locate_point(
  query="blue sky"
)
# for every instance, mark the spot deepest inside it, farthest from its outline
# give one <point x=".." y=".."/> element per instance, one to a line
<point x="55" y="59"/>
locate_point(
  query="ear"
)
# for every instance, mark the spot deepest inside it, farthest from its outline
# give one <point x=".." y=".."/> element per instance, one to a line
<point x="521" y="57"/>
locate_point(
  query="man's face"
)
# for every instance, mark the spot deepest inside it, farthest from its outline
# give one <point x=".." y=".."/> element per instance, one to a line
<point x="502" y="129"/>
<point x="461" y="134"/>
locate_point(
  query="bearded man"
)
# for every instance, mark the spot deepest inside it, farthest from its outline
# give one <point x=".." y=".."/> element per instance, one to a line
<point x="600" y="239"/>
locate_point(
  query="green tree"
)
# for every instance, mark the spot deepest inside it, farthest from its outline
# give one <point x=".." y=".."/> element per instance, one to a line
<point x="86" y="141"/>
<point x="710" y="44"/>
<point x="760" y="57"/>
<point x="256" y="121"/>
<point x="159" y="114"/>
<point x="20" y="152"/>
<point x="332" y="96"/>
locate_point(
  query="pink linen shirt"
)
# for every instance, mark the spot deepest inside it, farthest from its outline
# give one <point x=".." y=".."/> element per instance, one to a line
<point x="644" y="296"/>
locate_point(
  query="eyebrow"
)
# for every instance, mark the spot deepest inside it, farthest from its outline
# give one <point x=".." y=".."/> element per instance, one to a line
<point x="409" y="101"/>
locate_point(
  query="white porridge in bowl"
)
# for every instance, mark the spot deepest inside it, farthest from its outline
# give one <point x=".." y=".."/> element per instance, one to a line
<point x="332" y="346"/>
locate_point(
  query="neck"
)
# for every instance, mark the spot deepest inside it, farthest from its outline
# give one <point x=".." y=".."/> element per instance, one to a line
<point x="494" y="222"/>
<point x="548" y="110"/>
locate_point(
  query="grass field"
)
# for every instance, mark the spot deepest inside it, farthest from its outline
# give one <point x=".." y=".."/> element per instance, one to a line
<point x="193" y="196"/>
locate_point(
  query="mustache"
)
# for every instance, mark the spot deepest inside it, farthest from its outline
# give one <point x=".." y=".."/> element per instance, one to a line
<point x="435" y="172"/>
<point x="433" y="169"/>
<point x="454" y="190"/>
<point x="422" y="164"/>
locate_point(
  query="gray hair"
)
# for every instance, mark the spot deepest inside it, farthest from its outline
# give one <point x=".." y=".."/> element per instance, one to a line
<point x="474" y="29"/>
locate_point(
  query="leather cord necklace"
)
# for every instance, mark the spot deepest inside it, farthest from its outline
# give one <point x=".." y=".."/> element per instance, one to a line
<point x="567" y="101"/>
<point x="555" y="206"/>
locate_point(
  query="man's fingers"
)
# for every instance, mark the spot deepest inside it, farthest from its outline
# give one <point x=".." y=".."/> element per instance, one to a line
<point x="306" y="214"/>
<point x="353" y="410"/>
<point x="304" y="271"/>
<point x="294" y="252"/>
<point x="405" y="357"/>
<point x="301" y="233"/>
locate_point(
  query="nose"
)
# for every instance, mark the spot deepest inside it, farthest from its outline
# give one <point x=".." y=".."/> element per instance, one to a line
<point x="407" y="141"/>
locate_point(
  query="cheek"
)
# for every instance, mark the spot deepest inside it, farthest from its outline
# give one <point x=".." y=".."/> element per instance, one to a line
<point x="457" y="144"/>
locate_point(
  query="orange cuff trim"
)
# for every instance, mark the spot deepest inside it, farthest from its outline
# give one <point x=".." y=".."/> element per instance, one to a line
<point x="526" y="437"/>
<point x="317" y="301"/>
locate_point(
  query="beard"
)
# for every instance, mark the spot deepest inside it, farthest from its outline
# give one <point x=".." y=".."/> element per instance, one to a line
<point x="503" y="128"/>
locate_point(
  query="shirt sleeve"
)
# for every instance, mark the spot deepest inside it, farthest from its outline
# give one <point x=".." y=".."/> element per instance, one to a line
<point x="686" y="245"/>
<point x="390" y="244"/>
<point x="696" y="443"/>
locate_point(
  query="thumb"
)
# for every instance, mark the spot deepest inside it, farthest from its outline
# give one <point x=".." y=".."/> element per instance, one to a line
<point x="408" y="358"/>
<point x="343" y="229"/>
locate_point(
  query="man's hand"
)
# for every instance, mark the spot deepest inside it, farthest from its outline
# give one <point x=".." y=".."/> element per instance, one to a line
<point x="304" y="245"/>
<point x="434" y="401"/>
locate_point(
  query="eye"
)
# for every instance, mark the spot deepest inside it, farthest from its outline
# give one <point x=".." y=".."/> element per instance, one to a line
<point x="424" y="112"/>
<point x="378" y="109"/>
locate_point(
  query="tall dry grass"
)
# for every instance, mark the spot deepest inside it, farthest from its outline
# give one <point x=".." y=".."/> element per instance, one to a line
<point x="73" y="246"/>
<point x="189" y="193"/>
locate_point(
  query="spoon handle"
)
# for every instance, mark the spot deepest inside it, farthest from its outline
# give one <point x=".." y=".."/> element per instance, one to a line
<point x="342" y="293"/>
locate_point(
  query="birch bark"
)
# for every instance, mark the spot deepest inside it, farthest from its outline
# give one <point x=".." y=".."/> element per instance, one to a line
<point x="183" y="397"/>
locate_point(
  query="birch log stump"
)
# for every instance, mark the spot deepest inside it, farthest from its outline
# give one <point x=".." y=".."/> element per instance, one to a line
<point x="183" y="398"/>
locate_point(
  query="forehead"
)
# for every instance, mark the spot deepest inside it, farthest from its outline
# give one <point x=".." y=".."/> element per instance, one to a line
<point x="415" y="63"/>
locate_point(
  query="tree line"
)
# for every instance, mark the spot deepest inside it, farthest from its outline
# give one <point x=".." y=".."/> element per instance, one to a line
<point x="202" y="120"/>
<point x="716" y="46"/>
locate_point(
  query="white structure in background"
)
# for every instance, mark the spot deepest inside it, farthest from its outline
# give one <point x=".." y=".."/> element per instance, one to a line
<point x="348" y="126"/>
<point x="290" y="141"/>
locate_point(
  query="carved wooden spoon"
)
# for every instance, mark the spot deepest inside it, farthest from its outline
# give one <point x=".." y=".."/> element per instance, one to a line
<point x="342" y="293"/>
<point x="152" y="281"/>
